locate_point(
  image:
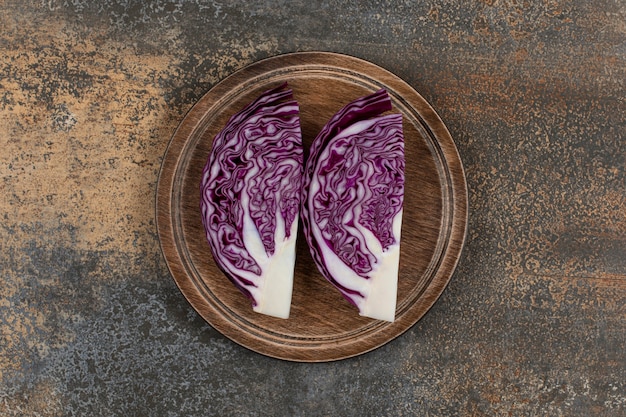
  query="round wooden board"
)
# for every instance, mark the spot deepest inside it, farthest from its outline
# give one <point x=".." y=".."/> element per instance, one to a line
<point x="322" y="326"/>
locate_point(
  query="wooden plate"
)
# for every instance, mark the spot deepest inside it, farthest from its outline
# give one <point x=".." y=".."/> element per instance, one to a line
<point x="322" y="326"/>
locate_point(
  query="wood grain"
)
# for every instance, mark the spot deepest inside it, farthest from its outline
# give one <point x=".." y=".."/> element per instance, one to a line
<point x="322" y="325"/>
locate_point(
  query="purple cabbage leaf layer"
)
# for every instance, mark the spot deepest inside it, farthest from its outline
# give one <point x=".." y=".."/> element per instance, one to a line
<point x="353" y="192"/>
<point x="250" y="199"/>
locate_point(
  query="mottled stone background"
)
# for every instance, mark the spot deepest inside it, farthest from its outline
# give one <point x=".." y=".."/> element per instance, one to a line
<point x="533" y="322"/>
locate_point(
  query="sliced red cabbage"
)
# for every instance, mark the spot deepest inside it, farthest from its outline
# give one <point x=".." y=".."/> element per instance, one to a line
<point x="251" y="188"/>
<point x="353" y="191"/>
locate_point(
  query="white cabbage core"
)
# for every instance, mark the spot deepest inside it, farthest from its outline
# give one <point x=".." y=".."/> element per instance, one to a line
<point x="380" y="289"/>
<point x="274" y="286"/>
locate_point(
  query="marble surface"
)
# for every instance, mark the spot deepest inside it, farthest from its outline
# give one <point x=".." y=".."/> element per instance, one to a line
<point x="533" y="322"/>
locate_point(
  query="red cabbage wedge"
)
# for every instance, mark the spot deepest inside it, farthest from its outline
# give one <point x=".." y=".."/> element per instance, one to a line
<point x="251" y="188"/>
<point x="353" y="192"/>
